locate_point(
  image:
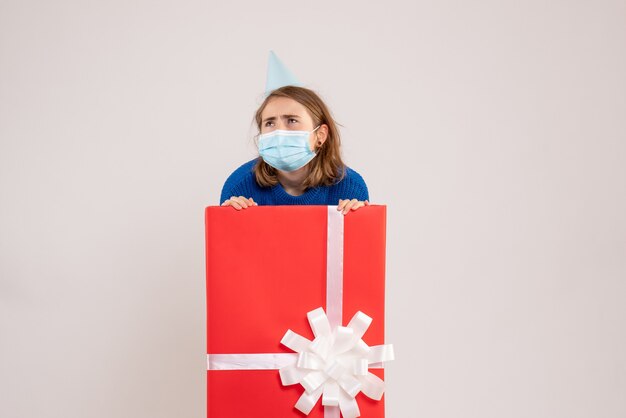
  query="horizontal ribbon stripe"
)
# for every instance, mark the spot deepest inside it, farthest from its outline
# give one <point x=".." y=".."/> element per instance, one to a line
<point x="257" y="361"/>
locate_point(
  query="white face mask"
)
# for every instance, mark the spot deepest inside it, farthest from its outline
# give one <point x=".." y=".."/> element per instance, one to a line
<point x="286" y="150"/>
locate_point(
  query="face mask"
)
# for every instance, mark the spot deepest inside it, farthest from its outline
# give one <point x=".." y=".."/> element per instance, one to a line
<point x="286" y="150"/>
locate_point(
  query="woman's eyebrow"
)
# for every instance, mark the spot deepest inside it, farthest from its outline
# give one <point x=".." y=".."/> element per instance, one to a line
<point x="282" y="116"/>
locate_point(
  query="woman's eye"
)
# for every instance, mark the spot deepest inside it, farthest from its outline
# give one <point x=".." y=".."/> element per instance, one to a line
<point x="295" y="120"/>
<point x="268" y="123"/>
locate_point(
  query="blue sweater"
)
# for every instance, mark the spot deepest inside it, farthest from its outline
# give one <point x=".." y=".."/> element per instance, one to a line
<point x="242" y="182"/>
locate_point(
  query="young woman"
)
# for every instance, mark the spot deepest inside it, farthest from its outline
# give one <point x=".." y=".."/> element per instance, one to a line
<point x="299" y="159"/>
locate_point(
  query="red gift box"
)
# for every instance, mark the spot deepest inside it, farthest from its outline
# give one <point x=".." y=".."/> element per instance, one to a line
<point x="266" y="269"/>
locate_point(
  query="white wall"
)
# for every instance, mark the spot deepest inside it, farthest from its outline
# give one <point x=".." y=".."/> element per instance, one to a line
<point x="495" y="131"/>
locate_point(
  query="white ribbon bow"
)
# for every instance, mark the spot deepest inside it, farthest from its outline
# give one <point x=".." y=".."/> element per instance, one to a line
<point x="335" y="364"/>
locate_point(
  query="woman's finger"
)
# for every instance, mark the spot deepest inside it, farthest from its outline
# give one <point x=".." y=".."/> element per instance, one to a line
<point x="235" y="202"/>
<point x="242" y="201"/>
<point x="349" y="205"/>
<point x="367" y="203"/>
<point x="359" y="204"/>
<point x="232" y="203"/>
<point x="341" y="204"/>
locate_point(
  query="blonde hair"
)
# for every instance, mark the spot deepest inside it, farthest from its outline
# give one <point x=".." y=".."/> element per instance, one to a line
<point x="327" y="168"/>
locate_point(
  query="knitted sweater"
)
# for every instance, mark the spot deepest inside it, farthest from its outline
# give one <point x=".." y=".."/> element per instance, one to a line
<point x="242" y="182"/>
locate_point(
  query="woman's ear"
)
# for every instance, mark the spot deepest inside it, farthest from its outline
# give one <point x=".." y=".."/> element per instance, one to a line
<point x="321" y="135"/>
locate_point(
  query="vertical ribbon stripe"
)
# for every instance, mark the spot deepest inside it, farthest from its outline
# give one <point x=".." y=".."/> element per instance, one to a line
<point x="334" y="267"/>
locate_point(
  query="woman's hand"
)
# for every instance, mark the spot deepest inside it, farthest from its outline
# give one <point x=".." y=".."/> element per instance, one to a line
<point x="348" y="205"/>
<point x="239" y="202"/>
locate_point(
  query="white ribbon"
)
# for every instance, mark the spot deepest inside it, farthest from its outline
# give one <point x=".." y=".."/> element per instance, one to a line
<point x="258" y="361"/>
<point x="334" y="366"/>
<point x="334" y="267"/>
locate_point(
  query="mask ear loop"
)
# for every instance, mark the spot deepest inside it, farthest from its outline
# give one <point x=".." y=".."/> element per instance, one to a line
<point x="319" y="148"/>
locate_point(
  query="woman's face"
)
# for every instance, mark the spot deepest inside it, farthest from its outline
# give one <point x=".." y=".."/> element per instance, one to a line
<point x="287" y="114"/>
